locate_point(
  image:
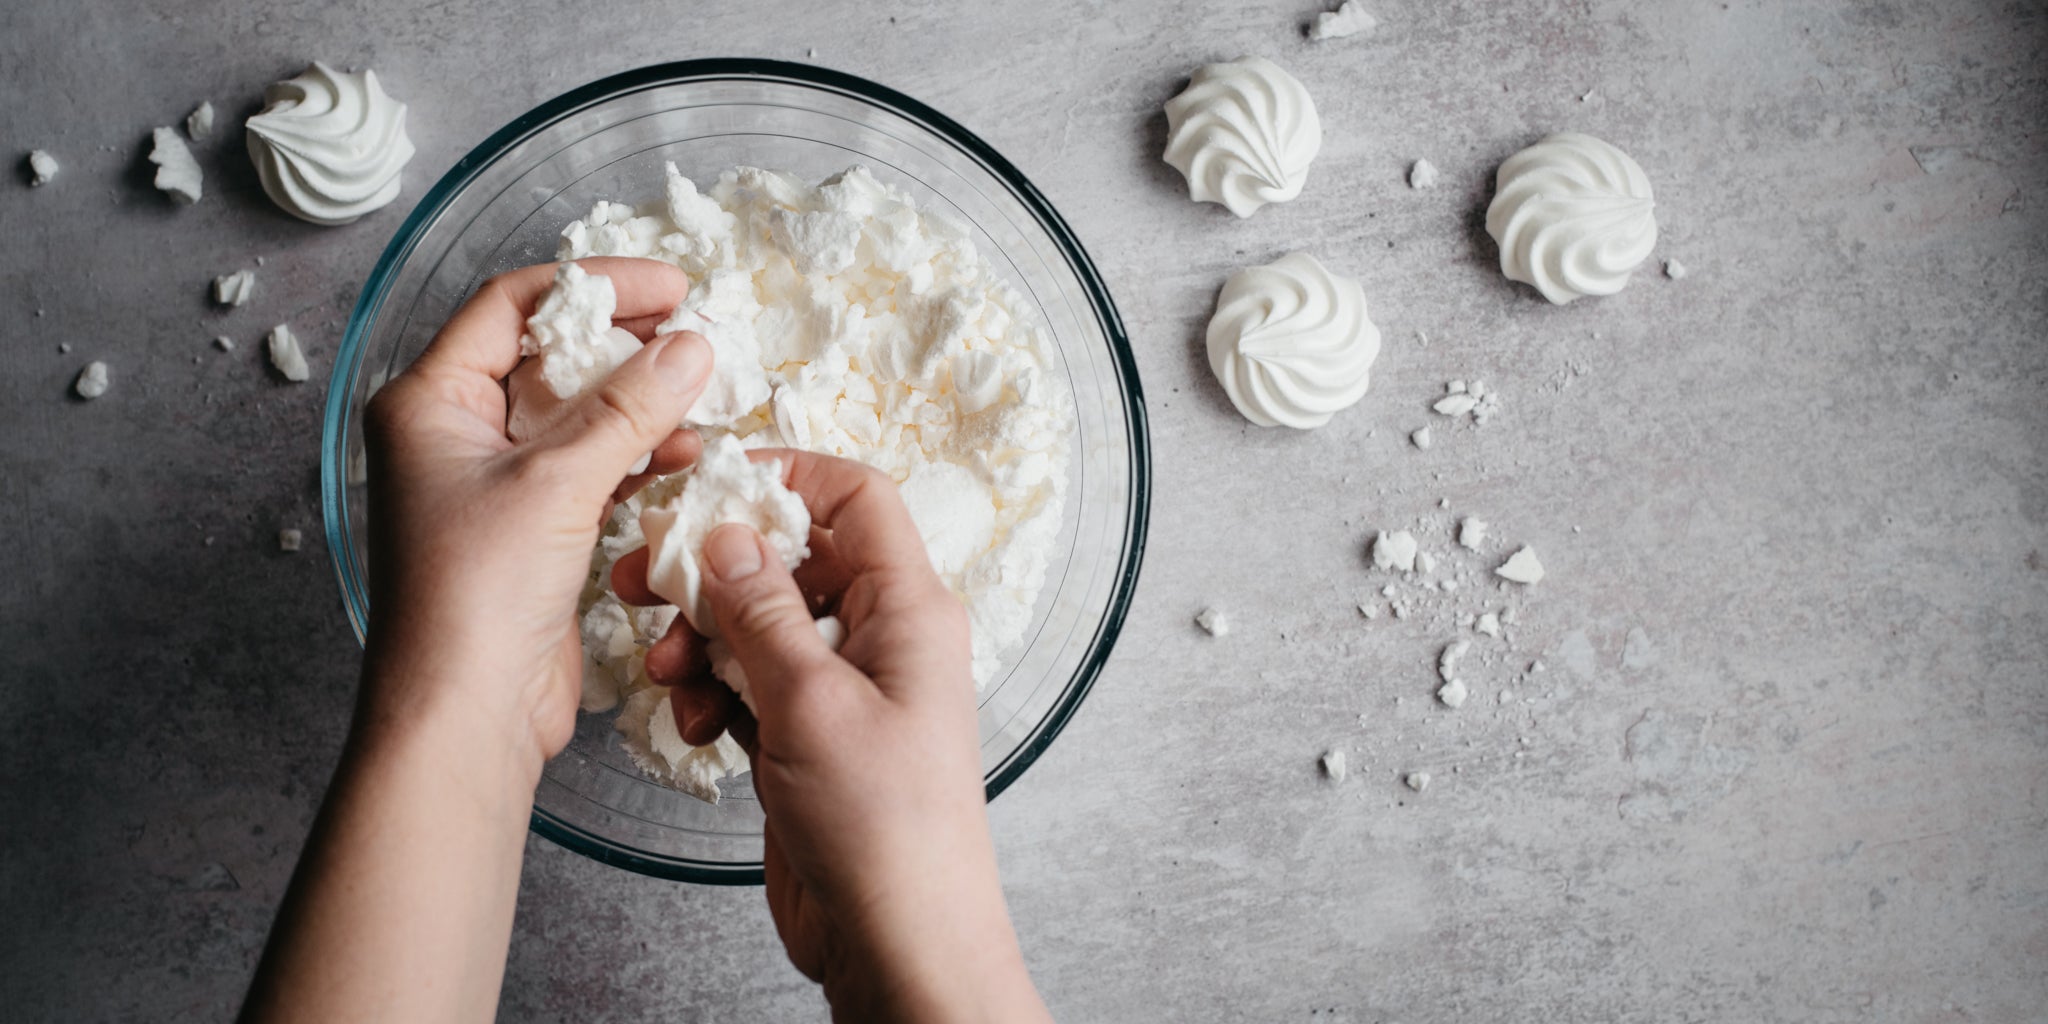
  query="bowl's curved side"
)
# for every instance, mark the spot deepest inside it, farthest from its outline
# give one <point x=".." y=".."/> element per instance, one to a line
<point x="347" y="381"/>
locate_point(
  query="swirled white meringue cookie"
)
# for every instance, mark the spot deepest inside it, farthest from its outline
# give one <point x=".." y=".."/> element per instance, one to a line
<point x="1573" y="216"/>
<point x="329" y="145"/>
<point x="1243" y="133"/>
<point x="1290" y="342"/>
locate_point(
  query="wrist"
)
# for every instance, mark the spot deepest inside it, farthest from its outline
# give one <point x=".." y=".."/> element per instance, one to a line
<point x="436" y="702"/>
<point x="963" y="964"/>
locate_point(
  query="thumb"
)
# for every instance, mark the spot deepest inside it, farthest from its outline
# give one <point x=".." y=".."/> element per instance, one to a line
<point x="613" y="426"/>
<point x="761" y="614"/>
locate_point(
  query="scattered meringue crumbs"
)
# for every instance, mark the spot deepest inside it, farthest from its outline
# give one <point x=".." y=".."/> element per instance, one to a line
<point x="1349" y="19"/>
<point x="1422" y="175"/>
<point x="42" y="168"/>
<point x="1522" y="567"/>
<point x="92" y="381"/>
<point x="287" y="356"/>
<point x="234" y="289"/>
<point x="1471" y="533"/>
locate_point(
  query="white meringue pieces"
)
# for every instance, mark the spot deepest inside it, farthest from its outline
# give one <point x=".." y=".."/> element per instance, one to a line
<point x="1243" y="133"/>
<point x="177" y="174"/>
<point x="1290" y="342"/>
<point x="572" y="333"/>
<point x="330" y="144"/>
<point x="725" y="487"/>
<point x="1573" y="216"/>
<point x="571" y="347"/>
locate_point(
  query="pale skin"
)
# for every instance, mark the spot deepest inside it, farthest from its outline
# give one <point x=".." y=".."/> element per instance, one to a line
<point x="881" y="875"/>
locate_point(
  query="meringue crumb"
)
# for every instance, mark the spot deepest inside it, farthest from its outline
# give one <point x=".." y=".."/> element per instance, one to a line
<point x="1349" y="19"/>
<point x="1455" y="405"/>
<point x="1213" y="622"/>
<point x="1333" y="765"/>
<point x="1422" y="175"/>
<point x="1471" y="533"/>
<point x="234" y="289"/>
<point x="1417" y="781"/>
<point x="1395" y="550"/>
<point x="199" y="123"/>
<point x="92" y="381"/>
<point x="42" y="168"/>
<point x="1447" y="662"/>
<point x="1420" y="438"/>
<point x="177" y="174"/>
<point x="1675" y="270"/>
<point x="286" y="355"/>
<point x="1521" y="567"/>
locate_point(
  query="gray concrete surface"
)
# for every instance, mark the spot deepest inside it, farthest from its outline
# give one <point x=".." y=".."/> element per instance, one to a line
<point x="1788" y="761"/>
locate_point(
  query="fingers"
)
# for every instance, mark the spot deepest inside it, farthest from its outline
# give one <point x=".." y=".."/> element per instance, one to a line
<point x="483" y="336"/>
<point x="675" y="453"/>
<point x="703" y="707"/>
<point x="677" y="656"/>
<point x="644" y="327"/>
<point x="605" y="431"/>
<point x="746" y="730"/>
<point x="824" y="576"/>
<point x="871" y="527"/>
<point x="761" y="614"/>
<point x="629" y="580"/>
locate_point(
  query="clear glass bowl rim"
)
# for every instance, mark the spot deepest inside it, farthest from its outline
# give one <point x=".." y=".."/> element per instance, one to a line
<point x="348" y="363"/>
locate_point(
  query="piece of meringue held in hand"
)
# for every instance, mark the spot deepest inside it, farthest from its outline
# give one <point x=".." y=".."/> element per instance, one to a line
<point x="724" y="487"/>
<point x="1243" y="133"/>
<point x="1573" y="216"/>
<point x="329" y="145"/>
<point x="1290" y="342"/>
<point x="572" y="333"/>
<point x="571" y="347"/>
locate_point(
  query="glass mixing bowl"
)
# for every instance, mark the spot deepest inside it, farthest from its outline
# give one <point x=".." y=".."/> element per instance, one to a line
<point x="504" y="205"/>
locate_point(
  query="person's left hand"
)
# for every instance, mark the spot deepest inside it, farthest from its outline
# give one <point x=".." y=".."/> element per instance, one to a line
<point x="479" y="547"/>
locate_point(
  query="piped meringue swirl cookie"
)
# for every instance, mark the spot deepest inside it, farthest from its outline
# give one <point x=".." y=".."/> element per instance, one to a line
<point x="1573" y="216"/>
<point x="1290" y="342"/>
<point x="329" y="145"/>
<point x="1243" y="133"/>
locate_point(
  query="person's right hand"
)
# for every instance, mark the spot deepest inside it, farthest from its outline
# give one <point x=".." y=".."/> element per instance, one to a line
<point x="881" y="875"/>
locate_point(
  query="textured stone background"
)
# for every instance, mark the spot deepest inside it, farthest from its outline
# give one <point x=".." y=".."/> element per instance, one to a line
<point x="1789" y="760"/>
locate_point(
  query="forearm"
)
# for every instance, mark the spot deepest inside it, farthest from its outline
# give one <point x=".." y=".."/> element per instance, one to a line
<point x="401" y="908"/>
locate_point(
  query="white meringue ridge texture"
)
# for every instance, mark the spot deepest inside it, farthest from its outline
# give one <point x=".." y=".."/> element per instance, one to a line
<point x="1573" y="216"/>
<point x="329" y="145"/>
<point x="1243" y="133"/>
<point x="1291" y="343"/>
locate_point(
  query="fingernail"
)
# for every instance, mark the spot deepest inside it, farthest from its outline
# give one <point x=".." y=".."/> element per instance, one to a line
<point x="685" y="715"/>
<point x="684" y="360"/>
<point x="733" y="553"/>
